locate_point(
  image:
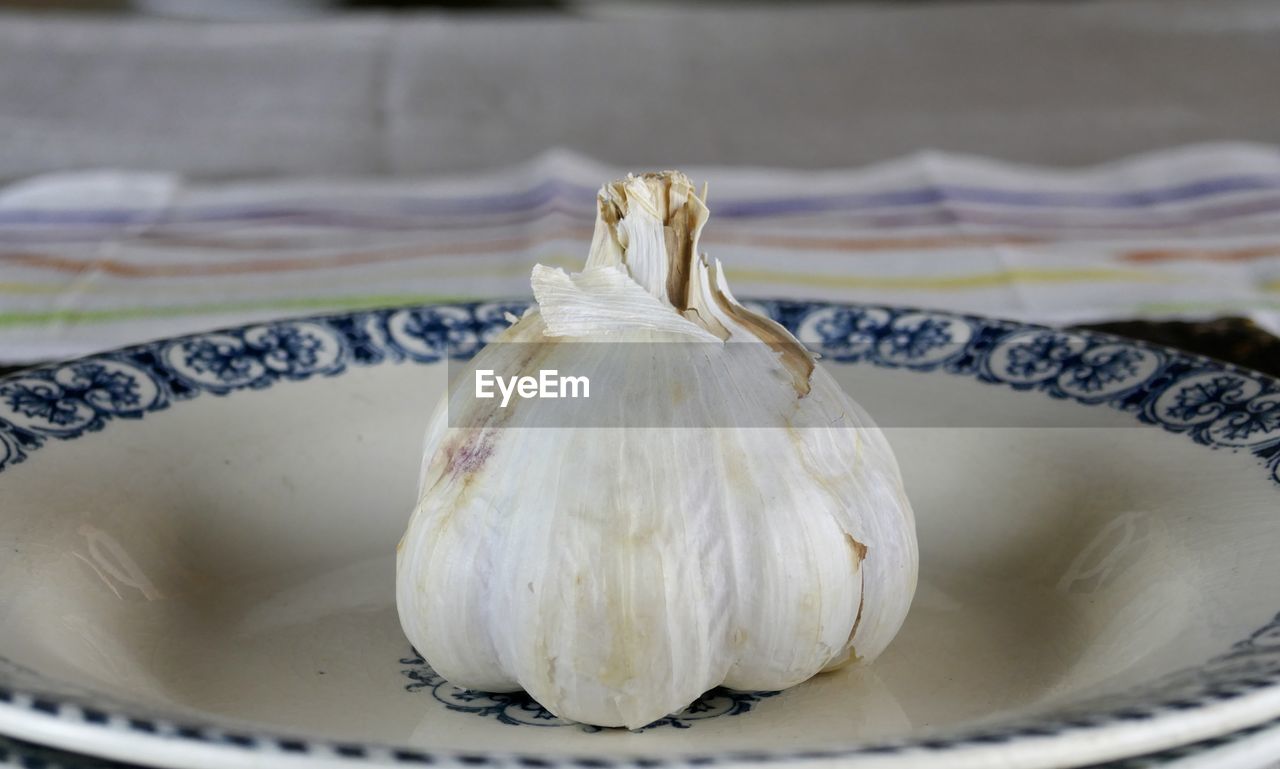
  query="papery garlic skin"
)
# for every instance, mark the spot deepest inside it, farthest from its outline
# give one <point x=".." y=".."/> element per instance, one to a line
<point x="616" y="574"/>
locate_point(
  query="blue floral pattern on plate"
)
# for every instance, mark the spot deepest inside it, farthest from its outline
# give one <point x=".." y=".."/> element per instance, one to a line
<point x="519" y="709"/>
<point x="1217" y="405"/>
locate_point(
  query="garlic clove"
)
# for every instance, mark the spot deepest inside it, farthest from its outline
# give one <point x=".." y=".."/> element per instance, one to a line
<point x="616" y="573"/>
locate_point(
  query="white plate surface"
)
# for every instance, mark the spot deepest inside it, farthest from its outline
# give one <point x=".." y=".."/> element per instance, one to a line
<point x="197" y="536"/>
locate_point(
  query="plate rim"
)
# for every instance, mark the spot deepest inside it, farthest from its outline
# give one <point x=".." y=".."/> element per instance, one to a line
<point x="260" y="355"/>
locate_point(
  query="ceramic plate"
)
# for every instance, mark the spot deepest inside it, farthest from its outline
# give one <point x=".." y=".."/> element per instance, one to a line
<point x="197" y="536"/>
<point x="1254" y="747"/>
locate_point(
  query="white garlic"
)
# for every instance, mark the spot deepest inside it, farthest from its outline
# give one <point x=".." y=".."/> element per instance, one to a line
<point x="618" y="573"/>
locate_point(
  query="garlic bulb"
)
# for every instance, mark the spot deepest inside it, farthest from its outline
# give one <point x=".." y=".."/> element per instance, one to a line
<point x="617" y="573"/>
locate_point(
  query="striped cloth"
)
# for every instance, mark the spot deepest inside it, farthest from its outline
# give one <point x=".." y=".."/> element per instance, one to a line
<point x="94" y="260"/>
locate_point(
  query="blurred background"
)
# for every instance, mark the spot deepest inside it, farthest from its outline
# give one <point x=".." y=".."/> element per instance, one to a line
<point x="254" y="87"/>
<point x="1098" y="161"/>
